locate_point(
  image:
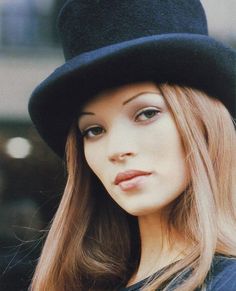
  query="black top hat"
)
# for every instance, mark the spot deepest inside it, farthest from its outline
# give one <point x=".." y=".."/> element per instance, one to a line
<point x="108" y="43"/>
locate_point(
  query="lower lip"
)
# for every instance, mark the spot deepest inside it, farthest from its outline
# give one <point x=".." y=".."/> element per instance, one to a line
<point x="133" y="183"/>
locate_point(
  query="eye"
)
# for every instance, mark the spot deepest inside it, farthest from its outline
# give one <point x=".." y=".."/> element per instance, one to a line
<point x="146" y="114"/>
<point x="92" y="132"/>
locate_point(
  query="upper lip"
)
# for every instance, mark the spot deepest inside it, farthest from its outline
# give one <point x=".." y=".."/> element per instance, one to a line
<point x="127" y="175"/>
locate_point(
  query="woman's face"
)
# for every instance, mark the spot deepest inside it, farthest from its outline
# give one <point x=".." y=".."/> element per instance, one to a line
<point x="132" y="144"/>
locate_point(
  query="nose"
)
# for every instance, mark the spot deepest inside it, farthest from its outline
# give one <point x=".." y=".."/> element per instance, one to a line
<point x="121" y="145"/>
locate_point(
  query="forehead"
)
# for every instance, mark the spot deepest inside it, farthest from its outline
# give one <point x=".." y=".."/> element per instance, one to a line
<point x="119" y="95"/>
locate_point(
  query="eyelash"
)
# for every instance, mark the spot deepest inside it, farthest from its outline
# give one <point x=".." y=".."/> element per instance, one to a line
<point x="85" y="133"/>
<point x="143" y="111"/>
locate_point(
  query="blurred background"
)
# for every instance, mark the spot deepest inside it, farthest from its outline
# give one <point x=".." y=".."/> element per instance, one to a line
<point x="31" y="176"/>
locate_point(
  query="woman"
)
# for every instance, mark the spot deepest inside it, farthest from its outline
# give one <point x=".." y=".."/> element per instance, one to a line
<point x="141" y="112"/>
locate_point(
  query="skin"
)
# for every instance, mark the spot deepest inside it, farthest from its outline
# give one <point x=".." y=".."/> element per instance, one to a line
<point x="131" y="127"/>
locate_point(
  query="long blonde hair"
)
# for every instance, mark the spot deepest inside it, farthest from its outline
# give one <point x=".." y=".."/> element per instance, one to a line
<point x="93" y="244"/>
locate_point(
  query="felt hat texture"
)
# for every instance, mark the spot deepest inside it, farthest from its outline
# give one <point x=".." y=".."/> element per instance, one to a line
<point x="111" y="43"/>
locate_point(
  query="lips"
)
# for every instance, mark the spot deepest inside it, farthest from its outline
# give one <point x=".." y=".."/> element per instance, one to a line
<point x="128" y="175"/>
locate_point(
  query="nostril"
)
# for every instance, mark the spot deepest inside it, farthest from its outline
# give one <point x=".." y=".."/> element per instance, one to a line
<point x="120" y="156"/>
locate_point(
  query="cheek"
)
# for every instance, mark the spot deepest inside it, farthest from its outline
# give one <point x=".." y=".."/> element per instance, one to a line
<point x="96" y="161"/>
<point x="165" y="151"/>
<point x="93" y="158"/>
<point x="174" y="166"/>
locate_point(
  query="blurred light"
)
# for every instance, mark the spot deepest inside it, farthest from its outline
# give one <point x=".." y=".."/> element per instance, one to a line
<point x="18" y="147"/>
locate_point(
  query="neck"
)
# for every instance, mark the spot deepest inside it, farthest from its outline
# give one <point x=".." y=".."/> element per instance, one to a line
<point x="159" y="247"/>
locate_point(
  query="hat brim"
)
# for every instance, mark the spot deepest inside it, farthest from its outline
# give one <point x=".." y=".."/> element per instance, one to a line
<point x="187" y="59"/>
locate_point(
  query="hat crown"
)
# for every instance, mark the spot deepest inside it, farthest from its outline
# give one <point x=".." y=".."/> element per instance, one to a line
<point x="86" y="25"/>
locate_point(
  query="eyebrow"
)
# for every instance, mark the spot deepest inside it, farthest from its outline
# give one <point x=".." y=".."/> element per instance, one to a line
<point x="124" y="103"/>
<point x="137" y="95"/>
<point x="85" y="113"/>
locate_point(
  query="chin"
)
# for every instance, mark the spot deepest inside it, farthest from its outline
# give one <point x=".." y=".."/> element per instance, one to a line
<point x="141" y="211"/>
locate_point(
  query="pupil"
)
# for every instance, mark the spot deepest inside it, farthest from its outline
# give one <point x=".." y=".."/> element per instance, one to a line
<point x="96" y="130"/>
<point x="150" y="113"/>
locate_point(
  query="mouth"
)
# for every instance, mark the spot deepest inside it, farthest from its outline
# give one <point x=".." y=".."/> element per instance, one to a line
<point x="131" y="179"/>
